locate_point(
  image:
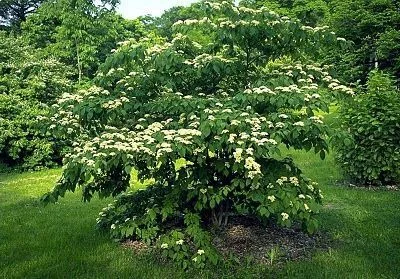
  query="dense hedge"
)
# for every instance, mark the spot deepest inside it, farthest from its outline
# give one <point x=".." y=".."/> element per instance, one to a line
<point x="23" y="143"/>
<point x="29" y="84"/>
<point x="370" y="150"/>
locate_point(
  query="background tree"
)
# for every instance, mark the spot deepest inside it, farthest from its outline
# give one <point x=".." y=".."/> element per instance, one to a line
<point x="165" y="22"/>
<point x="80" y="33"/>
<point x="372" y="26"/>
<point x="13" y="12"/>
<point x="309" y="12"/>
<point x="29" y="84"/>
<point x="61" y="42"/>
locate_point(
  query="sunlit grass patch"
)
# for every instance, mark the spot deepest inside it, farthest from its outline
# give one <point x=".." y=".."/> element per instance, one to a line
<point x="60" y="241"/>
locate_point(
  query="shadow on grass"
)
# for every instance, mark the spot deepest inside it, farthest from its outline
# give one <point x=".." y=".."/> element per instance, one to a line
<point x="60" y="241"/>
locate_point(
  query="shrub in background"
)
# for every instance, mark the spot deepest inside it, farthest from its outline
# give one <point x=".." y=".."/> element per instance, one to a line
<point x="22" y="142"/>
<point x="369" y="150"/>
<point x="28" y="85"/>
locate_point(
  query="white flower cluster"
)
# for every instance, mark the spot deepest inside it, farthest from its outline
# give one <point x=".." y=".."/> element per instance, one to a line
<point x="205" y="59"/>
<point x="135" y="144"/>
<point x="312" y="86"/>
<point x="310" y="74"/>
<point x="268" y="17"/>
<point x="239" y="23"/>
<point x="158" y="48"/>
<point x="316" y="29"/>
<point x="299" y="124"/>
<point x="309" y="97"/>
<point x="192" y="21"/>
<point x="216" y="6"/>
<point x="67" y="97"/>
<point x="293" y="88"/>
<point x="317" y="119"/>
<point x="116" y="103"/>
<point x="249" y="10"/>
<point x="238" y="155"/>
<point x="285" y="216"/>
<point x="292" y="180"/>
<point x="253" y="167"/>
<point x="338" y="87"/>
<point x="260" y="90"/>
<point x="250" y="164"/>
<point x="126" y="42"/>
<point x="65" y="118"/>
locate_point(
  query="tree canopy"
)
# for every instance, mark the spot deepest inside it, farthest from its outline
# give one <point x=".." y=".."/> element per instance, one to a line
<point x="13" y="12"/>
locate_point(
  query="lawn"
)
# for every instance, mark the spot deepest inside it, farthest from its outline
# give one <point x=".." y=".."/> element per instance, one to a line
<point x="59" y="241"/>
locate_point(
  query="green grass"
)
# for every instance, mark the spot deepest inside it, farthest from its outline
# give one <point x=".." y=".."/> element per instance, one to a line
<point x="59" y="241"/>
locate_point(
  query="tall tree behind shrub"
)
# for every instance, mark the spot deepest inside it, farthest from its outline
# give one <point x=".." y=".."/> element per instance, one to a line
<point x="14" y="12"/>
<point x="372" y="26"/>
<point x="79" y="33"/>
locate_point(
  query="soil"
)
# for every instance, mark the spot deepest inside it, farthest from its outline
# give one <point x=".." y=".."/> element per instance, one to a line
<point x="368" y="186"/>
<point x="137" y="246"/>
<point x="246" y="239"/>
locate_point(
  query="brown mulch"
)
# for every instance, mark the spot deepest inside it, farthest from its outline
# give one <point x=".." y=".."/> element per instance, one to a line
<point x="248" y="239"/>
<point x="347" y="184"/>
<point x="137" y="246"/>
<point x="391" y="188"/>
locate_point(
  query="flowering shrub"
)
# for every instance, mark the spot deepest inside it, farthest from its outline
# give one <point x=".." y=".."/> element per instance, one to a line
<point x="25" y="73"/>
<point x="206" y="122"/>
<point x="28" y="83"/>
<point x="370" y="150"/>
<point x="22" y="142"/>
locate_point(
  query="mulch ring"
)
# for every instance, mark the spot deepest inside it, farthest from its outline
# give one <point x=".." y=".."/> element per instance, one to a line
<point x="137" y="246"/>
<point x="247" y="239"/>
<point x="391" y="188"/>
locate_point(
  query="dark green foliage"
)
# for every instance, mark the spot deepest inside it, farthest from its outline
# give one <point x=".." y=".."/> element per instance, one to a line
<point x="80" y="33"/>
<point x="22" y="142"/>
<point x="131" y="204"/>
<point x="24" y="72"/>
<point x="388" y="50"/>
<point x="309" y="12"/>
<point x="372" y="26"/>
<point x="28" y="84"/>
<point x="60" y="42"/>
<point x="13" y="12"/>
<point x="370" y="148"/>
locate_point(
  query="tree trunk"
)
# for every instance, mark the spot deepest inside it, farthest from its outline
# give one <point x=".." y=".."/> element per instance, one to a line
<point x="78" y="58"/>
